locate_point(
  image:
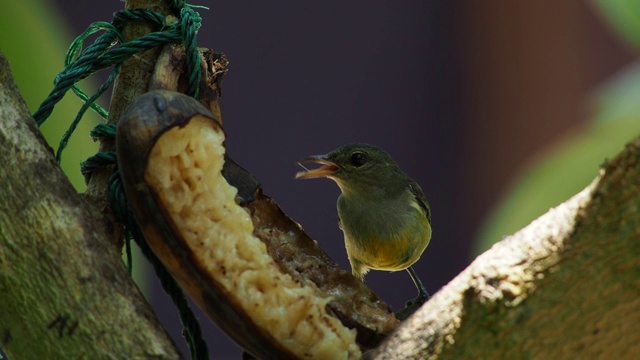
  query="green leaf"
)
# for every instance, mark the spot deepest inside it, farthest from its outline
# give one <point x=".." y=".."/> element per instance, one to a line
<point x="563" y="170"/>
<point x="35" y="46"/>
<point x="623" y="16"/>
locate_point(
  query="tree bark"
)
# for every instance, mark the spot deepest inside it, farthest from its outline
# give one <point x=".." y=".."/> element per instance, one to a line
<point x="565" y="287"/>
<point x="65" y="291"/>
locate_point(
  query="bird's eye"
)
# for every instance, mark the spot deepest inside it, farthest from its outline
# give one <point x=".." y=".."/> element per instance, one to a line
<point x="358" y="159"/>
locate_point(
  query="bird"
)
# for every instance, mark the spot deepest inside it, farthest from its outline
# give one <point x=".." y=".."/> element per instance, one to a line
<point x="382" y="212"/>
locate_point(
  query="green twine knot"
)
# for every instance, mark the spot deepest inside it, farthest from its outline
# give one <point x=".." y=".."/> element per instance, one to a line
<point x="109" y="50"/>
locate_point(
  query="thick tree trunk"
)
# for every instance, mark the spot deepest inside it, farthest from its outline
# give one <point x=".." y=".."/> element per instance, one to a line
<point x="565" y="287"/>
<point x="65" y="293"/>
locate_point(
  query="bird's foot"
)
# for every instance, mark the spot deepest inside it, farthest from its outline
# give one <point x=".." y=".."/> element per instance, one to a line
<point x="412" y="305"/>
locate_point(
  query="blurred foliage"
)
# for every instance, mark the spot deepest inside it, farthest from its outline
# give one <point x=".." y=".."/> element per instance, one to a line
<point x="623" y="16"/>
<point x="565" y="169"/>
<point x="34" y="37"/>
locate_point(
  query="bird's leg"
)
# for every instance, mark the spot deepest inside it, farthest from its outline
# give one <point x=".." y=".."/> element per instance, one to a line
<point x="412" y="305"/>
<point x="423" y="294"/>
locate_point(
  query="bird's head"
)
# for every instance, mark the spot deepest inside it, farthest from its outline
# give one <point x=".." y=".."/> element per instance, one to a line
<point x="357" y="168"/>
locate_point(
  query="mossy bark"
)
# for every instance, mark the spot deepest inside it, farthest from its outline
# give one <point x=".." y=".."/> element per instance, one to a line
<point x="565" y="287"/>
<point x="64" y="291"/>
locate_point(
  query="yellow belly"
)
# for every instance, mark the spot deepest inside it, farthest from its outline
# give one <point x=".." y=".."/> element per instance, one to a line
<point x="390" y="254"/>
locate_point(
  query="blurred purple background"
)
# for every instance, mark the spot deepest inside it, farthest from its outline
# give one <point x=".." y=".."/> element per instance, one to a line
<point x="461" y="94"/>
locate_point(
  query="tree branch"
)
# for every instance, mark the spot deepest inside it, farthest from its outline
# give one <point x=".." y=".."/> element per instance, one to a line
<point x="566" y="286"/>
<point x="132" y="82"/>
<point x="65" y="291"/>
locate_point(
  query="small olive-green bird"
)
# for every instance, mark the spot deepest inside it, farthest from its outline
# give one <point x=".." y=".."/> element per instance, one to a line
<point x="383" y="213"/>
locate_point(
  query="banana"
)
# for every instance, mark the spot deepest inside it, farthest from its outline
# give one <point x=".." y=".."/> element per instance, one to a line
<point x="251" y="268"/>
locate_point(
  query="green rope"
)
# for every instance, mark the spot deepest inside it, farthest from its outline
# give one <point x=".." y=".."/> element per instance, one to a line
<point x="109" y="51"/>
<point x="76" y="48"/>
<point x="102" y="54"/>
<point x="90" y="102"/>
<point x="191" y="19"/>
<point x="97" y="161"/>
<point x="103" y="131"/>
<point x="119" y="204"/>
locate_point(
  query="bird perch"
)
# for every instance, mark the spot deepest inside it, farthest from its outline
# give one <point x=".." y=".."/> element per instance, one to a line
<point x="566" y="286"/>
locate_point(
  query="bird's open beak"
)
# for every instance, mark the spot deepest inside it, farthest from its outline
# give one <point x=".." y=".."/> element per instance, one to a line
<point x="328" y="168"/>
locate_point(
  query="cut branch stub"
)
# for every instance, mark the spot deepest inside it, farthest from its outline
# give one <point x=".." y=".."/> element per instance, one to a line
<point x="169" y="74"/>
<point x="251" y="269"/>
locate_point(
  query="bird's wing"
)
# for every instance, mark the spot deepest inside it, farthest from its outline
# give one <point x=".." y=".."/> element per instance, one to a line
<point x="421" y="199"/>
